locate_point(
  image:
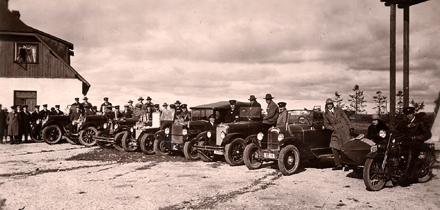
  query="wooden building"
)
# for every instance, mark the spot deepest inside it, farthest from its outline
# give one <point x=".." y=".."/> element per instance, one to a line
<point x="35" y="66"/>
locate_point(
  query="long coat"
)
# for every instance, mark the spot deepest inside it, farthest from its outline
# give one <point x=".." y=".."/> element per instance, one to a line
<point x="282" y="118"/>
<point x="416" y="130"/>
<point x="339" y="123"/>
<point x="272" y="113"/>
<point x="26" y="119"/>
<point x="13" y="121"/>
<point x="3" y="124"/>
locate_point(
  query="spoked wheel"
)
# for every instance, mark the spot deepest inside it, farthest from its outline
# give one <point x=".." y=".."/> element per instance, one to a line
<point x="37" y="134"/>
<point x="205" y="156"/>
<point x="118" y="142"/>
<point x="190" y="151"/>
<point x="374" y="177"/>
<point x="86" y="136"/>
<point x="147" y="144"/>
<point x="251" y="156"/>
<point x="160" y="147"/>
<point x="234" y="152"/>
<point x="129" y="143"/>
<point x="288" y="161"/>
<point x="52" y="134"/>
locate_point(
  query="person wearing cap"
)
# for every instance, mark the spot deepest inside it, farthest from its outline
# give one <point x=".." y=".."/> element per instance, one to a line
<point x="13" y="122"/>
<point x="44" y="113"/>
<point x="177" y="103"/>
<point x="76" y="103"/>
<point x="166" y="114"/>
<point x="105" y="105"/>
<point x="94" y="110"/>
<point x="36" y="115"/>
<point x="211" y="126"/>
<point x="156" y="108"/>
<point x="116" y="114"/>
<point x="86" y="104"/>
<point x="233" y="114"/>
<point x="57" y="111"/>
<point x="25" y="125"/>
<point x="271" y="117"/>
<point x="149" y="103"/>
<point x="413" y="131"/>
<point x="127" y="113"/>
<point x="185" y="114"/>
<point x="337" y="121"/>
<point x="2" y="124"/>
<point x="376" y="125"/>
<point x="253" y="101"/>
<point x="140" y="103"/>
<point x="130" y="105"/>
<point x="283" y="116"/>
<point x="75" y="118"/>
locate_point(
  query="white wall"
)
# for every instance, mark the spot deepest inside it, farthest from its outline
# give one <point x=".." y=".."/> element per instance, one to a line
<point x="49" y="91"/>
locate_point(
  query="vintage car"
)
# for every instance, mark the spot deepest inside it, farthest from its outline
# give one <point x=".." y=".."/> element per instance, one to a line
<point x="36" y="130"/>
<point x="184" y="135"/>
<point x="141" y="134"/>
<point x="111" y="133"/>
<point x="56" y="127"/>
<point x="230" y="139"/>
<point x="302" y="137"/>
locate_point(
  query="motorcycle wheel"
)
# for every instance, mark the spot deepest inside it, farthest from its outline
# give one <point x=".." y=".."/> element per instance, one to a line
<point x="234" y="152"/>
<point x="128" y="143"/>
<point x="86" y="136"/>
<point x="118" y="142"/>
<point x="160" y="147"/>
<point x="288" y="161"/>
<point x="425" y="170"/>
<point x="205" y="156"/>
<point x="36" y="135"/>
<point x="190" y="151"/>
<point x="251" y="156"/>
<point x="147" y="144"/>
<point x="52" y="134"/>
<point x="374" y="177"/>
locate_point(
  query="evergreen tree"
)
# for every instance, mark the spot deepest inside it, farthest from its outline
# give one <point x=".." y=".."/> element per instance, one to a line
<point x="381" y="103"/>
<point x="399" y="106"/>
<point x="338" y="100"/>
<point x="357" y="101"/>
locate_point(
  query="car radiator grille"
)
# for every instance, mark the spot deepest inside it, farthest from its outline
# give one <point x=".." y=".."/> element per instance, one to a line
<point x="219" y="131"/>
<point x="176" y="134"/>
<point x="272" y="140"/>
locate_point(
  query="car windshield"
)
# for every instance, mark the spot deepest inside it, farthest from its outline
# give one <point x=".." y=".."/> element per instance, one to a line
<point x="201" y="114"/>
<point x="250" y="113"/>
<point x="300" y="117"/>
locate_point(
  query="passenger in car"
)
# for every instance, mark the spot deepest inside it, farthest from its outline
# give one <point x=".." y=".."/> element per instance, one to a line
<point x="283" y="117"/>
<point x="233" y="114"/>
<point x="270" y="119"/>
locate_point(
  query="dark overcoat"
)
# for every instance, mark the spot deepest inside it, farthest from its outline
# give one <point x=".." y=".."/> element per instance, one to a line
<point x="26" y="119"/>
<point x="13" y="121"/>
<point x="340" y="126"/>
<point x="3" y="124"/>
<point x="272" y="113"/>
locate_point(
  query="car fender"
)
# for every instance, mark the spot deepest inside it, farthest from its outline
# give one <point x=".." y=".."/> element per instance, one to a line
<point x="159" y="134"/>
<point x="374" y="155"/>
<point x="251" y="139"/>
<point x="202" y="135"/>
<point x="297" y="143"/>
<point x="59" y="124"/>
<point x="230" y="137"/>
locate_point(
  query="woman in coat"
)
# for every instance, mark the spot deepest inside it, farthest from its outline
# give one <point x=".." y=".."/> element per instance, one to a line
<point x="13" y="121"/>
<point x="337" y="121"/>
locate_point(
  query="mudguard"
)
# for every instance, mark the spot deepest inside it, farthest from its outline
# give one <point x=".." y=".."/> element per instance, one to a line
<point x="160" y="133"/>
<point x="374" y="155"/>
<point x="231" y="137"/>
<point x="202" y="135"/>
<point x="251" y="139"/>
<point x="303" y="150"/>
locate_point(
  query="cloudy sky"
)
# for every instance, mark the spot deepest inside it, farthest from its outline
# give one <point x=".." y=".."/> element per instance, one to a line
<point x="203" y="51"/>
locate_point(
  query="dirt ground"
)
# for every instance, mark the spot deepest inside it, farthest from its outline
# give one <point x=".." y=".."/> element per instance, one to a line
<point x="64" y="176"/>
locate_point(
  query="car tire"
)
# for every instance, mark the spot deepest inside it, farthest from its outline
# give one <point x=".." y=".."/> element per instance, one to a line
<point x="289" y="159"/>
<point x="101" y="144"/>
<point x="205" y="156"/>
<point x="160" y="147"/>
<point x="234" y="152"/>
<point x="128" y="143"/>
<point x="250" y="156"/>
<point x="36" y="135"/>
<point x="52" y="134"/>
<point x="118" y="142"/>
<point x="190" y="151"/>
<point x="86" y="136"/>
<point x="147" y="144"/>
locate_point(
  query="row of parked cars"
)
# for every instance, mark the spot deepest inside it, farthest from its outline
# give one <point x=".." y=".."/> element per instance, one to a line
<point x="242" y="142"/>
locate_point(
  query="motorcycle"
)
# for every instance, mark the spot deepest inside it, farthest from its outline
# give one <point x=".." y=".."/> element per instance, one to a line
<point x="387" y="161"/>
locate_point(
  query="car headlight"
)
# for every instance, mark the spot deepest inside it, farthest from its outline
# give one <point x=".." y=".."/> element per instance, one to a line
<point x="105" y="125"/>
<point x="38" y="121"/>
<point x="280" y="137"/>
<point x="167" y="130"/>
<point x="260" y="136"/>
<point x="116" y="126"/>
<point x="222" y="135"/>
<point x="132" y="129"/>
<point x="382" y="133"/>
<point x="209" y="134"/>
<point x="184" y="132"/>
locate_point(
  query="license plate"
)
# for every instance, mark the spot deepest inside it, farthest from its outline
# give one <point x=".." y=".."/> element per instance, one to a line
<point x="269" y="155"/>
<point x="216" y="152"/>
<point x="373" y="148"/>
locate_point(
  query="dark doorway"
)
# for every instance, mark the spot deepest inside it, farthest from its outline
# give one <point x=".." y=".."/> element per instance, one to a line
<point x="25" y="98"/>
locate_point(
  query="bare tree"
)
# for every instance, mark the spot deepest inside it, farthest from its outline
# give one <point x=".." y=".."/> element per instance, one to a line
<point x="381" y="103"/>
<point x="399" y="104"/>
<point x="357" y="101"/>
<point x="338" y="100"/>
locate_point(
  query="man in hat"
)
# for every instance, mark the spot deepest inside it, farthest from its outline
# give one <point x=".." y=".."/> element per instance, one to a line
<point x="13" y="122"/>
<point x="45" y="112"/>
<point x="156" y="108"/>
<point x="165" y="113"/>
<point x="76" y="103"/>
<point x="211" y="126"/>
<point x="116" y="114"/>
<point x="105" y="105"/>
<point x="271" y="117"/>
<point x="130" y="105"/>
<point x="57" y="110"/>
<point x="36" y="114"/>
<point x="337" y="121"/>
<point x="283" y="116"/>
<point x="413" y="131"/>
<point x="86" y="104"/>
<point x="376" y="125"/>
<point x="233" y="114"/>
<point x="140" y="103"/>
<point x="185" y="114"/>
<point x="2" y="124"/>
<point x="127" y="113"/>
<point x="149" y="103"/>
<point x="75" y="118"/>
<point x="25" y="126"/>
<point x="94" y="110"/>
<point x="253" y="101"/>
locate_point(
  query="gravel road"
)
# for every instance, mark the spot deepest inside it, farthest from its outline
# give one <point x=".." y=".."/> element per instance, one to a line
<point x="64" y="176"/>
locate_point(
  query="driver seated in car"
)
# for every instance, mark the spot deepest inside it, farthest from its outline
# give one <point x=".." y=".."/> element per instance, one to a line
<point x="75" y="118"/>
<point x="283" y="116"/>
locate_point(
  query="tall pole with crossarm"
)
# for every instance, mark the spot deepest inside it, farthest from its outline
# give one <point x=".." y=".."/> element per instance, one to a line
<point x="405" y="4"/>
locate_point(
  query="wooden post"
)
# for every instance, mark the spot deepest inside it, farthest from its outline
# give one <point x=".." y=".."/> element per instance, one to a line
<point x="406" y="55"/>
<point x="392" y="64"/>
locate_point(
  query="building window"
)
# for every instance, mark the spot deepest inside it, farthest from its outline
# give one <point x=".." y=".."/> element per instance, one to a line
<point x="26" y="52"/>
<point x="25" y="98"/>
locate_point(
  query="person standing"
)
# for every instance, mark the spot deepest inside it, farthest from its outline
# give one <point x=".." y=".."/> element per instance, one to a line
<point x="105" y="105"/>
<point x="57" y="111"/>
<point x="337" y="121"/>
<point x="13" y="121"/>
<point x="2" y="124"/>
<point x="283" y="116"/>
<point x="233" y="114"/>
<point x="44" y="113"/>
<point x="149" y="103"/>
<point x="130" y="105"/>
<point x="26" y="119"/>
<point x="271" y="117"/>
<point x="86" y="103"/>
